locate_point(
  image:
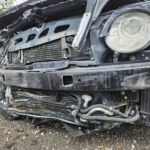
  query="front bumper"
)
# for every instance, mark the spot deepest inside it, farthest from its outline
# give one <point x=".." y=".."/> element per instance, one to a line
<point x="133" y="76"/>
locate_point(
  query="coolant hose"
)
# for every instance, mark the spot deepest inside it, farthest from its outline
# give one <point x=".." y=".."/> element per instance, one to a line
<point x="79" y="106"/>
<point x="113" y="119"/>
<point x="116" y="112"/>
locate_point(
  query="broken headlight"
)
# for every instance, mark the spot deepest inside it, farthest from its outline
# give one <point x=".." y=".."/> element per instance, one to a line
<point x="130" y="32"/>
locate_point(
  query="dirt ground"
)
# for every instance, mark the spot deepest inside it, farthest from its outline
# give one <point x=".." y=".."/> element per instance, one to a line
<point x="27" y="134"/>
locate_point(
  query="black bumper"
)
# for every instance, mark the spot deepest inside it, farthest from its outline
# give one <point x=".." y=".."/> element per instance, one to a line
<point x="103" y="78"/>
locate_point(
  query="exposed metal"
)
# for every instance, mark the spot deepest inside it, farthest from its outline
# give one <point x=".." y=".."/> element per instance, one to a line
<point x="51" y="35"/>
<point x="93" y="10"/>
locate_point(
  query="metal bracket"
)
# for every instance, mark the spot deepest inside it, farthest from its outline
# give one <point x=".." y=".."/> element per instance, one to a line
<point x="93" y="10"/>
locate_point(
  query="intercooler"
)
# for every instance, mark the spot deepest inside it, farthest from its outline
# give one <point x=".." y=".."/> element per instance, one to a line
<point x="50" y="52"/>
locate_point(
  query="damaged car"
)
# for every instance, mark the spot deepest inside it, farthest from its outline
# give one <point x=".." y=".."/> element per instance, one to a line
<point x="85" y="63"/>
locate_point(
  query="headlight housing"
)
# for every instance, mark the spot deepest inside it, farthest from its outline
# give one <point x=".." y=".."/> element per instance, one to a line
<point x="129" y="33"/>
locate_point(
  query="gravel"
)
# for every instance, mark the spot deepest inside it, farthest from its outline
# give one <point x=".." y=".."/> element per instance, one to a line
<point x="27" y="134"/>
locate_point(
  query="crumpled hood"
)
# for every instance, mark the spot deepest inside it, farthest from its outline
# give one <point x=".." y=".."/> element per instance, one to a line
<point x="16" y="11"/>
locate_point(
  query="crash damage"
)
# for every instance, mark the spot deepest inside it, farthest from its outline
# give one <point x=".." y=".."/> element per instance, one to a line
<point x="85" y="63"/>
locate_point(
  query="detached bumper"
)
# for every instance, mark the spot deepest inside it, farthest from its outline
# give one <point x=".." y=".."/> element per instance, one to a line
<point x="103" y="78"/>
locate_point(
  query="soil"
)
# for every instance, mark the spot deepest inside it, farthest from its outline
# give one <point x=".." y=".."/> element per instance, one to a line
<point x="27" y="134"/>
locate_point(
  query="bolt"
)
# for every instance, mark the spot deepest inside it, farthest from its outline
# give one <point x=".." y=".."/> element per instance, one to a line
<point x="92" y="58"/>
<point x="132" y="113"/>
<point x="79" y="128"/>
<point x="132" y="58"/>
<point x="125" y="97"/>
<point x="123" y="93"/>
<point x="105" y="101"/>
<point x="144" y="117"/>
<point x="146" y="58"/>
<point x="69" y="39"/>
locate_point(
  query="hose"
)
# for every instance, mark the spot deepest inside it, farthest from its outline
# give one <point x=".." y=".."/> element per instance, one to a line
<point x="112" y="119"/>
<point x="79" y="106"/>
<point x="106" y="112"/>
<point x="75" y="113"/>
<point x="116" y="112"/>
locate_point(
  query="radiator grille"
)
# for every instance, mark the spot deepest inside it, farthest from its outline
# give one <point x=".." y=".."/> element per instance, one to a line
<point x="75" y="55"/>
<point x="46" y="52"/>
<point x="50" y="52"/>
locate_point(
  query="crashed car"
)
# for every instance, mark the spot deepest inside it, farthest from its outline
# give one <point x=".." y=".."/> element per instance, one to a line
<point x="85" y="63"/>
